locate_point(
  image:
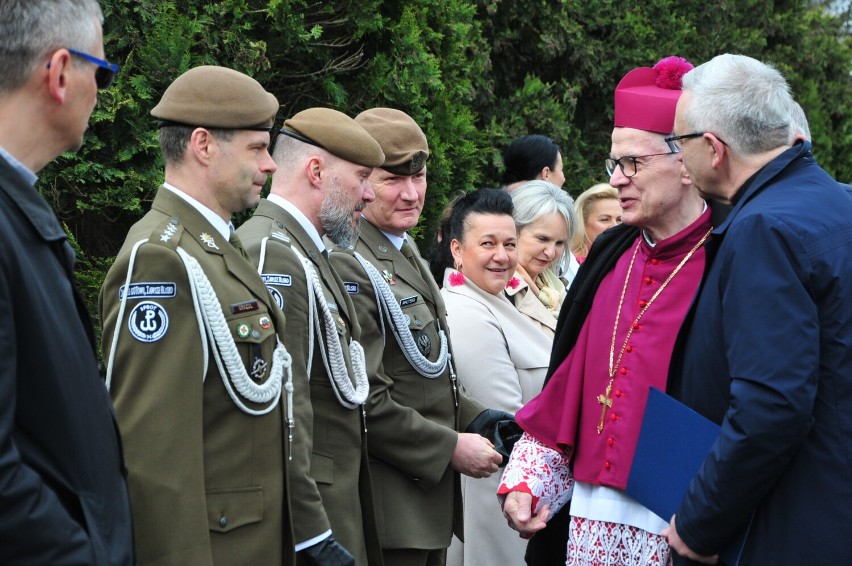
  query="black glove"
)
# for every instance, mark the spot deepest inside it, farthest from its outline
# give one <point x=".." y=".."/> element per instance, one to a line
<point x="500" y="428"/>
<point x="326" y="553"/>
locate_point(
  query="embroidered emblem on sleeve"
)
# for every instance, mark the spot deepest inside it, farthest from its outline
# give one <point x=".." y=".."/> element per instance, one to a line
<point x="148" y="321"/>
<point x="277" y="297"/>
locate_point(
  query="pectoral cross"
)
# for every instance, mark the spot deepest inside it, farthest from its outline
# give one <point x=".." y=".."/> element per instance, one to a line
<point x="606" y="401"/>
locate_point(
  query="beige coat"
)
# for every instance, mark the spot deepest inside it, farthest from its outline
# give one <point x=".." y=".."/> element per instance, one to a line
<point x="502" y="358"/>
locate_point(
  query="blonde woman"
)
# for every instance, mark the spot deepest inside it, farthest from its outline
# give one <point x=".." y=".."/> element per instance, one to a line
<point x="598" y="209"/>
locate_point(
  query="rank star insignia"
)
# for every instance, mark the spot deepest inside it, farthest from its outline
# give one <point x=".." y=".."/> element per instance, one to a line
<point x="208" y="239"/>
<point x="388" y="277"/>
<point x="168" y="232"/>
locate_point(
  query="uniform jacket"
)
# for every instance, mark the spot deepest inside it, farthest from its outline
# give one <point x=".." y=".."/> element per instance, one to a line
<point x="412" y="419"/>
<point x="64" y="495"/>
<point x="770" y="358"/>
<point x="330" y="493"/>
<point x="207" y="481"/>
<point x="501" y="356"/>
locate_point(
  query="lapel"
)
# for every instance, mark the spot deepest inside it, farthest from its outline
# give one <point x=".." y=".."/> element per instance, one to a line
<point x="401" y="268"/>
<point x="306" y="246"/>
<point x="43" y="220"/>
<point x="208" y="239"/>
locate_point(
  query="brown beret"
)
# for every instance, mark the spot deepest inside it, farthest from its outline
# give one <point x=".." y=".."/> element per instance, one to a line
<point x="402" y="140"/>
<point x="336" y="133"/>
<point x="216" y="97"/>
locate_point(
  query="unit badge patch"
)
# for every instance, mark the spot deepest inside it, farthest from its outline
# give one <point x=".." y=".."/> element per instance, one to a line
<point x="277" y="297"/>
<point x="148" y="321"/>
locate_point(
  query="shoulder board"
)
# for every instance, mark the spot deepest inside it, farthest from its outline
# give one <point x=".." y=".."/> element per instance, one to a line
<point x="167" y="233"/>
<point x="280" y="236"/>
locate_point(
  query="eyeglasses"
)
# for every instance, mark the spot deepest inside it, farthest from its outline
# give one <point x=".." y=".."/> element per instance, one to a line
<point x="674" y="142"/>
<point x="629" y="163"/>
<point x="104" y="74"/>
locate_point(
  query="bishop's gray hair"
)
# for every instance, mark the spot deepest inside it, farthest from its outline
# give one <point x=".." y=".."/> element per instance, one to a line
<point x="743" y="101"/>
<point x="32" y="29"/>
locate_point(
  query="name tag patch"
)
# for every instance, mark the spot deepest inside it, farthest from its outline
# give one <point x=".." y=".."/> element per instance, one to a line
<point x="351" y="287"/>
<point x="408" y="301"/>
<point x="152" y="290"/>
<point x="245" y="306"/>
<point x="148" y="321"/>
<point x="277" y="279"/>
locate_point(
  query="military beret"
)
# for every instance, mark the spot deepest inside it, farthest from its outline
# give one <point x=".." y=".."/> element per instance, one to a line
<point x="402" y="140"/>
<point x="216" y="97"/>
<point x="336" y="133"/>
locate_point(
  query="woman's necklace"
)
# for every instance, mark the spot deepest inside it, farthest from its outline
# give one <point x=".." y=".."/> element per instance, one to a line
<point x="606" y="400"/>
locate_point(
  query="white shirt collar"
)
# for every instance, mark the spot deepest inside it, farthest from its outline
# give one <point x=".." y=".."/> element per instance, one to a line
<point x="397" y="241"/>
<point x="300" y="217"/>
<point x="221" y="226"/>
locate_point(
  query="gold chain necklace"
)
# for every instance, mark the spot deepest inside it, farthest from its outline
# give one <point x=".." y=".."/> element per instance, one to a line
<point x="606" y="400"/>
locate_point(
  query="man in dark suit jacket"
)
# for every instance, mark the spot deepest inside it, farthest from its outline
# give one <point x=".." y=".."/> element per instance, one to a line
<point x="63" y="493"/>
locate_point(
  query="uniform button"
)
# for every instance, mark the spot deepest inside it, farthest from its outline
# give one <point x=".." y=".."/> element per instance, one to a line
<point x="223" y="521"/>
<point x="279" y="223"/>
<point x="629" y="349"/>
<point x="613" y="417"/>
<point x="255" y="334"/>
<point x="648" y="281"/>
<point x="643" y="303"/>
<point x="618" y="393"/>
<point x="635" y="325"/>
<point x="623" y="371"/>
<point x="418" y="324"/>
<point x="607" y="465"/>
<point x="610" y="441"/>
<point x="655" y="261"/>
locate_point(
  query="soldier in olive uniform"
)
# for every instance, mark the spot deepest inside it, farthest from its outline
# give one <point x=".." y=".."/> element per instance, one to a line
<point x="194" y="363"/>
<point x="324" y="161"/>
<point x="416" y="407"/>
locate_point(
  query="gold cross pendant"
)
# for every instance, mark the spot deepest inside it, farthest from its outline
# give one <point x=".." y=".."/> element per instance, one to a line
<point x="606" y="401"/>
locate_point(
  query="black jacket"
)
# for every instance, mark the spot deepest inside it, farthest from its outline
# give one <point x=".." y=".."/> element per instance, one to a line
<point x="63" y="493"/>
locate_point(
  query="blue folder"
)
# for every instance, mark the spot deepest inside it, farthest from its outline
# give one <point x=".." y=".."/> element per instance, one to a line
<point x="673" y="443"/>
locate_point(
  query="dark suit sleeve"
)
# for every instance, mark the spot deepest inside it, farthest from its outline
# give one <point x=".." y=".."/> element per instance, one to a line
<point x="397" y="432"/>
<point x="35" y="526"/>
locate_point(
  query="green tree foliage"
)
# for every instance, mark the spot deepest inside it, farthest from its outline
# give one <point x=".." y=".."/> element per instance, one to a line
<point x="474" y="74"/>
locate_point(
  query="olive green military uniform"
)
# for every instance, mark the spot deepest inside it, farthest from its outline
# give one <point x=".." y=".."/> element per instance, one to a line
<point x="208" y="481"/>
<point x="340" y="498"/>
<point x="412" y="420"/>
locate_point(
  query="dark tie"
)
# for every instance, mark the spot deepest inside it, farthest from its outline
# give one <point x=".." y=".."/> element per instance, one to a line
<point x="409" y="255"/>
<point x="235" y="241"/>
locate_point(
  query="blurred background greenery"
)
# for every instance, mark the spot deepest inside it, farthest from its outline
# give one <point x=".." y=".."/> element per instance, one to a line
<point x="473" y="74"/>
